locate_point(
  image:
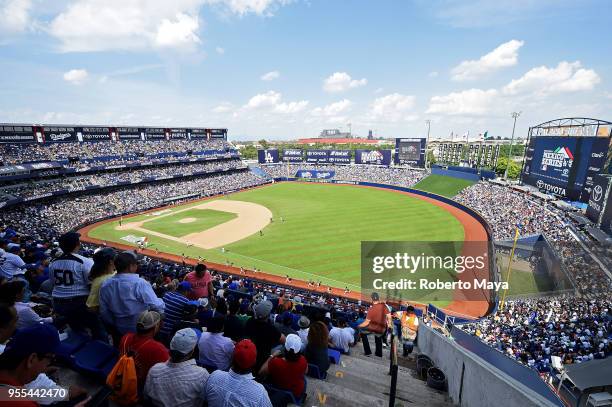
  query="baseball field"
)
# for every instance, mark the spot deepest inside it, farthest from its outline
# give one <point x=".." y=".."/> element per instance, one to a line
<point x="308" y="231"/>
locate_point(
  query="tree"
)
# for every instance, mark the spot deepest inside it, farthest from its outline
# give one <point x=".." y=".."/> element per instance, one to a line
<point x="513" y="172"/>
<point x="264" y="144"/>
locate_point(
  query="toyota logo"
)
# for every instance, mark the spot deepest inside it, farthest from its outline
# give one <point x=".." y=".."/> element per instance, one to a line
<point x="597" y="193"/>
<point x="540" y="184"/>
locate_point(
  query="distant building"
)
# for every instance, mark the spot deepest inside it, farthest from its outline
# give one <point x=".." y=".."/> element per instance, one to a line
<point x="313" y="141"/>
<point x="334" y="133"/>
<point x="370" y="136"/>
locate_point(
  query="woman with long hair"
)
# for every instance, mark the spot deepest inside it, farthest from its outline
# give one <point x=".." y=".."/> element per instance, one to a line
<point x="316" y="349"/>
<point x="102" y="269"/>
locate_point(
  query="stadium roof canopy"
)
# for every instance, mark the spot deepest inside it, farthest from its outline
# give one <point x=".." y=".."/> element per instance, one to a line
<point x="595" y="373"/>
<point x="572" y="122"/>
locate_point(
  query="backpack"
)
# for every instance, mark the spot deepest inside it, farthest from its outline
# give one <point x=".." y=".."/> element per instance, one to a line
<point x="123" y="379"/>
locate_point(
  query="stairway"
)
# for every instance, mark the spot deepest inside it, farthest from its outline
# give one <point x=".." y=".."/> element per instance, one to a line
<point x="361" y="380"/>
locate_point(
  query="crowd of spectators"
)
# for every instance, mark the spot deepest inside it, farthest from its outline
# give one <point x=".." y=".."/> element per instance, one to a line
<point x="33" y="189"/>
<point x="62" y="214"/>
<point x="533" y="331"/>
<point x="399" y="176"/>
<point x="16" y="154"/>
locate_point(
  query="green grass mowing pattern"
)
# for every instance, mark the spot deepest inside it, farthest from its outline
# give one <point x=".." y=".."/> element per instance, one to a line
<point x="204" y="219"/>
<point x="524" y="282"/>
<point x="443" y="185"/>
<point x="322" y="230"/>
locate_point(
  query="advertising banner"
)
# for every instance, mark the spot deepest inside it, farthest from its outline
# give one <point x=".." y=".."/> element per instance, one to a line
<point x="317" y="156"/>
<point x="340" y="156"/>
<point x="314" y="174"/>
<point x="293" y="155"/>
<point x="198" y="134"/>
<point x="56" y="134"/>
<point x="267" y="156"/>
<point x="130" y="133"/>
<point x="178" y="134"/>
<point x="218" y="133"/>
<point x="155" y="133"/>
<point x="94" y="134"/>
<point x="377" y="157"/>
<point x="17" y="134"/>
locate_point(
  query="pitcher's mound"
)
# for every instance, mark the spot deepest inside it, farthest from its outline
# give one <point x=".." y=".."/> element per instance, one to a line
<point x="187" y="220"/>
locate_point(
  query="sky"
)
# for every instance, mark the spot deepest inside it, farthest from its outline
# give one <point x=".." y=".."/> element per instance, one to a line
<point x="286" y="69"/>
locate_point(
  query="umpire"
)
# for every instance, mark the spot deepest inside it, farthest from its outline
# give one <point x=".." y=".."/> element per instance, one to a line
<point x="69" y="278"/>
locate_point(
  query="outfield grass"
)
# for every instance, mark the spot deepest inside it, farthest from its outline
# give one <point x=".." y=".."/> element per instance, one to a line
<point x="443" y="185"/>
<point x="322" y="231"/>
<point x="204" y="219"/>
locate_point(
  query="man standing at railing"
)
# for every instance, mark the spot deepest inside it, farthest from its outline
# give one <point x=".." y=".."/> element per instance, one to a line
<point x="375" y="323"/>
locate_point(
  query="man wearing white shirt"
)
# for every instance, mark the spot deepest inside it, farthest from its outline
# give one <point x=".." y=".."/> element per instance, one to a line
<point x="10" y="263"/>
<point x="342" y="337"/>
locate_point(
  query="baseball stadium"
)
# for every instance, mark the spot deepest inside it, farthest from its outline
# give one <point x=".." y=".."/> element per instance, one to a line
<point x="202" y="206"/>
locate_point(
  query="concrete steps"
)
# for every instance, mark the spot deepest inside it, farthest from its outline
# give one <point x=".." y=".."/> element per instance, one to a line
<point x="364" y="381"/>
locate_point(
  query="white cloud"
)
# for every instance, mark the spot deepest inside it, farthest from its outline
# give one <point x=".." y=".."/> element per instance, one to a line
<point x="76" y="76"/>
<point x="270" y="76"/>
<point x="291" y="107"/>
<point x="467" y="102"/>
<point x="223" y="108"/>
<point x="14" y="16"/>
<point x="333" y="109"/>
<point x="393" y="108"/>
<point x="268" y="99"/>
<point x="433" y="74"/>
<point x="342" y="81"/>
<point x="259" y="7"/>
<point x="180" y="32"/>
<point x="220" y="50"/>
<point x="100" y="25"/>
<point x="565" y="77"/>
<point x="271" y="102"/>
<point x="503" y="56"/>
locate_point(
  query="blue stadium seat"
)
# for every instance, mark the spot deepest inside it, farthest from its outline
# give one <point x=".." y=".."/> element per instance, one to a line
<point x="95" y="358"/>
<point x="288" y="395"/>
<point x="340" y="350"/>
<point x="70" y="346"/>
<point x="313" y="371"/>
<point x="334" y="356"/>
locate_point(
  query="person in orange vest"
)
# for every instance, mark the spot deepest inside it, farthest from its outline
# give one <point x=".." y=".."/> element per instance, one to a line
<point x="409" y="327"/>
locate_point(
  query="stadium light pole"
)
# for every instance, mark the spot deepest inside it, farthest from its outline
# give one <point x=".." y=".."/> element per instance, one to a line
<point x="515" y="115"/>
<point x="428" y="122"/>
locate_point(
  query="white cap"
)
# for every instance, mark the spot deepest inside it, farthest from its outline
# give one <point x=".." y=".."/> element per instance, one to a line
<point x="184" y="341"/>
<point x="293" y="342"/>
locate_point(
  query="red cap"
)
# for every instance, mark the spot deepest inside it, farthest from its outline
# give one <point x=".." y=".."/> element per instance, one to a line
<point x="245" y="354"/>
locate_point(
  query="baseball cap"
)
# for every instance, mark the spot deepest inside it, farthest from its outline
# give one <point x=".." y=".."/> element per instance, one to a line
<point x="203" y="302"/>
<point x="293" y="342"/>
<point x="68" y="241"/>
<point x="37" y="338"/>
<point x="263" y="309"/>
<point x="245" y="354"/>
<point x="304" y="322"/>
<point x="148" y="319"/>
<point x="184" y="286"/>
<point x="184" y="341"/>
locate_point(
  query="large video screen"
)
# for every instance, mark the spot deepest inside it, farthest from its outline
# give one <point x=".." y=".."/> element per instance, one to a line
<point x="565" y="165"/>
<point x="410" y="151"/>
